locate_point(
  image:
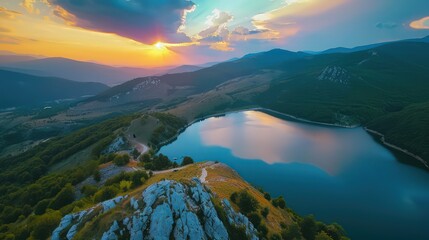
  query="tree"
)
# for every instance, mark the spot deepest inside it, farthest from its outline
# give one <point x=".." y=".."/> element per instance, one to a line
<point x="106" y="194"/>
<point x="63" y="198"/>
<point x="293" y="232"/>
<point x="247" y="202"/>
<point x="45" y="224"/>
<point x="279" y="202"/>
<point x="322" y="236"/>
<point x="125" y="185"/>
<point x="255" y="219"/>
<point x="187" y="160"/>
<point x="41" y="206"/>
<point x="135" y="153"/>
<point x="138" y="178"/>
<point x="265" y="212"/>
<point x="121" y="160"/>
<point x="145" y="157"/>
<point x="267" y="196"/>
<point x="308" y="227"/>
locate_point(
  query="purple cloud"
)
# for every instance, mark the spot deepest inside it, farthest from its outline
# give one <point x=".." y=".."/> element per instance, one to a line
<point x="146" y="21"/>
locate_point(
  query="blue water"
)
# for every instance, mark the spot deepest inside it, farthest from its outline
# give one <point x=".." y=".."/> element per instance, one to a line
<point x="339" y="175"/>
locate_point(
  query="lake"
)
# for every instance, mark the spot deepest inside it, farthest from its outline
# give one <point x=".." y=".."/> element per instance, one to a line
<point x="338" y="174"/>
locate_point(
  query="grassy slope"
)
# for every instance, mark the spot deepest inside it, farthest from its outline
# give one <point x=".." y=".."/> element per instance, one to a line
<point x="222" y="181"/>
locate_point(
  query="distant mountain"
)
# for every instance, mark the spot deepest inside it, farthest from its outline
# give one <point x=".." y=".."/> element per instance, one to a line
<point x="183" y="84"/>
<point x="183" y="69"/>
<point x="370" y="46"/>
<point x="17" y="89"/>
<point x="9" y="58"/>
<point x="78" y="70"/>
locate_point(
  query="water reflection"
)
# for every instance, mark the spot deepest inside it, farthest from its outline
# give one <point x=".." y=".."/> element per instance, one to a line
<point x="276" y="141"/>
<point x="339" y="175"/>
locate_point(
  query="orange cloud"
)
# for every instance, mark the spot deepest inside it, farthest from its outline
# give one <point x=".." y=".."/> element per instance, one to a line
<point x="29" y="6"/>
<point x="422" y="23"/>
<point x="287" y="20"/>
<point x="6" y="13"/>
<point x="221" y="46"/>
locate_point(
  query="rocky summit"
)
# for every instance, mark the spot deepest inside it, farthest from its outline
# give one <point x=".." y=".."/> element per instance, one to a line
<point x="165" y="210"/>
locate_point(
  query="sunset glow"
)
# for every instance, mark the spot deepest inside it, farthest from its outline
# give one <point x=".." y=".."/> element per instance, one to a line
<point x="198" y="31"/>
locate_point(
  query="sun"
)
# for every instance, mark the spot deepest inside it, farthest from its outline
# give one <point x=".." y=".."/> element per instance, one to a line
<point x="159" y="45"/>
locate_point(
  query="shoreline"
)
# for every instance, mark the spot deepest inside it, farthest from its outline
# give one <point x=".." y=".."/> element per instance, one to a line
<point x="302" y="120"/>
<point x="403" y="150"/>
<point x="260" y="109"/>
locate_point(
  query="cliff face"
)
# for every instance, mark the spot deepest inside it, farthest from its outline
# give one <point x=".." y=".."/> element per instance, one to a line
<point x="164" y="210"/>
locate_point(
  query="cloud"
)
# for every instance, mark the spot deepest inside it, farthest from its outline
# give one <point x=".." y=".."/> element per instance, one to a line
<point x="293" y="17"/>
<point x="387" y="25"/>
<point x="422" y="23"/>
<point x="29" y="6"/>
<point x="6" y="13"/>
<point x="217" y="22"/>
<point x="222" y="46"/>
<point x="146" y="21"/>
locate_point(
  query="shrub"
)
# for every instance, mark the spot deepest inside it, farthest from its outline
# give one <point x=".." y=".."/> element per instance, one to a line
<point x="63" y="198"/>
<point x="265" y="212"/>
<point x="187" y="160"/>
<point x="45" y="224"/>
<point x="267" y="196"/>
<point x="247" y="202"/>
<point x="125" y="185"/>
<point x="106" y="194"/>
<point x="41" y="206"/>
<point x="322" y="236"/>
<point x="255" y="219"/>
<point x="121" y="160"/>
<point x="309" y="227"/>
<point x="279" y="202"/>
<point x="293" y="232"/>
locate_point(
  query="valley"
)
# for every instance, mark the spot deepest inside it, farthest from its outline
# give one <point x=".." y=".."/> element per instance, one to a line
<point x="81" y="159"/>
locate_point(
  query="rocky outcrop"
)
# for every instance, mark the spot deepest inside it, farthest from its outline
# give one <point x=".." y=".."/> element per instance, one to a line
<point x="165" y="210"/>
<point x="335" y="74"/>
<point x="70" y="223"/>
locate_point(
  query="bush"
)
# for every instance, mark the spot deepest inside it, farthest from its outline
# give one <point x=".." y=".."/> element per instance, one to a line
<point x="125" y="185"/>
<point x="322" y="236"/>
<point x="293" y="232"/>
<point x="121" y="160"/>
<point x="106" y="194"/>
<point x="255" y="219"/>
<point x="267" y="196"/>
<point x="309" y="227"/>
<point x="41" y="206"/>
<point x="45" y="224"/>
<point x="63" y="198"/>
<point x="187" y="160"/>
<point x="279" y="202"/>
<point x="265" y="212"/>
<point x="263" y="230"/>
<point x="247" y="202"/>
<point x="138" y="178"/>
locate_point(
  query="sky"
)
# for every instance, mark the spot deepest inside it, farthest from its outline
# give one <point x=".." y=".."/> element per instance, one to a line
<point x="149" y="33"/>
